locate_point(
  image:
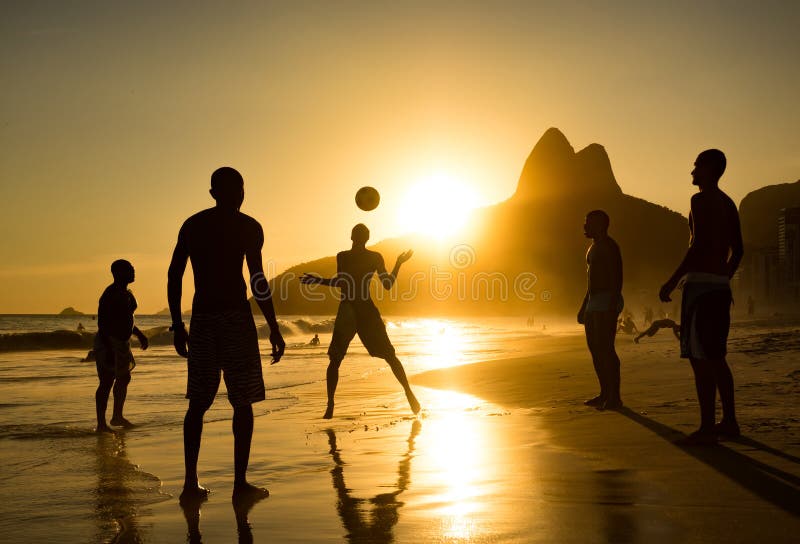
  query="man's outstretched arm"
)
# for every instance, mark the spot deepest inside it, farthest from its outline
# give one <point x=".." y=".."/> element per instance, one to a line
<point x="388" y="279"/>
<point x="313" y="279"/>
<point x="174" y="292"/>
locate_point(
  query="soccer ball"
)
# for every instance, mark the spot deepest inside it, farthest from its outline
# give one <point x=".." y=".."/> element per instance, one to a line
<point x="367" y="198"/>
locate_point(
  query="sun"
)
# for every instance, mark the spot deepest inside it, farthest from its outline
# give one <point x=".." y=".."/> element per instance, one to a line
<point x="438" y="206"/>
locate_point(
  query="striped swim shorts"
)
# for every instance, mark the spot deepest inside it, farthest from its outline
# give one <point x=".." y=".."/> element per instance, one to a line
<point x="225" y="343"/>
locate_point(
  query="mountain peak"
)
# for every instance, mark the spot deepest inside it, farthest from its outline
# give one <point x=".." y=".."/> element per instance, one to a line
<point x="553" y="139"/>
<point x="553" y="169"/>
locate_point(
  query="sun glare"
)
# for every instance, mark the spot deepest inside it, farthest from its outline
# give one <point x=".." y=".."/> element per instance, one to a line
<point x="438" y="206"/>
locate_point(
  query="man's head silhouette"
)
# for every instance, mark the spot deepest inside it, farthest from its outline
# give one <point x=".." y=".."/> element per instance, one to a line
<point x="596" y="225"/>
<point x="360" y="234"/>
<point x="708" y="168"/>
<point x="227" y="187"/>
<point x="122" y="271"/>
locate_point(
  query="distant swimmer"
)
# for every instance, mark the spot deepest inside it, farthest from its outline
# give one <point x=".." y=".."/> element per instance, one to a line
<point x="90" y="358"/>
<point x="601" y="306"/>
<point x="314" y="341"/>
<point x="112" y="348"/>
<point x="715" y="251"/>
<point x="658" y="325"/>
<point x="222" y="337"/>
<point x="357" y="313"/>
<point x="81" y="328"/>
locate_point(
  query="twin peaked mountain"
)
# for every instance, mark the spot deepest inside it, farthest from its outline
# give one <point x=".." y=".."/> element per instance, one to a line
<point x="525" y="255"/>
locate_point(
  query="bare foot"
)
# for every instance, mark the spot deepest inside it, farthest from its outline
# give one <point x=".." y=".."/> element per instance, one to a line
<point x="249" y="492"/>
<point x="120" y="421"/>
<point x="610" y="404"/>
<point x="699" y="438"/>
<point x="104" y="429"/>
<point x="414" y="403"/>
<point x="728" y="429"/>
<point x="597" y="401"/>
<point x="328" y="412"/>
<point x="193" y="494"/>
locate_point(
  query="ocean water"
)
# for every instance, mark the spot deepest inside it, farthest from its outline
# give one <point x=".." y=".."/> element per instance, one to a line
<point x="60" y="478"/>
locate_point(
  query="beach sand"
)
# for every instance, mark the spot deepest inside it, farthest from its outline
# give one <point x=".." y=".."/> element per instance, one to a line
<point x="504" y="452"/>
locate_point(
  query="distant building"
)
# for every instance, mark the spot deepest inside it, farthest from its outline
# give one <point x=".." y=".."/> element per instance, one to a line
<point x="789" y="252"/>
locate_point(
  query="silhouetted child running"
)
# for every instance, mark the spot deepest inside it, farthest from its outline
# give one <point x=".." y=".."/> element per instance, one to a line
<point x="358" y="314"/>
<point x="112" y="347"/>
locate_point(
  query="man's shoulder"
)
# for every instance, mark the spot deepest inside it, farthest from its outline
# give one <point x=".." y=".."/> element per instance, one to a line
<point x="113" y="293"/>
<point x="715" y="195"/>
<point x="198" y="218"/>
<point x="248" y="220"/>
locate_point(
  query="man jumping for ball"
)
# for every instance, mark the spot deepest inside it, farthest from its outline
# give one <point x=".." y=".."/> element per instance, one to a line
<point x="358" y="314"/>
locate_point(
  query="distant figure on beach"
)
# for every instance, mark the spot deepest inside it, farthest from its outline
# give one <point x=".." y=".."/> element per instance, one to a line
<point x="751" y="306"/>
<point x="715" y="250"/>
<point x="81" y="328"/>
<point x="315" y="340"/>
<point x="601" y="306"/>
<point x="358" y="314"/>
<point x="627" y="326"/>
<point x="658" y="325"/>
<point x="222" y="337"/>
<point x="112" y="348"/>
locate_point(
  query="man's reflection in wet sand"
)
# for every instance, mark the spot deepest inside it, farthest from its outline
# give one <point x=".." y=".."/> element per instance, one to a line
<point x="241" y="510"/>
<point x="116" y="509"/>
<point x="384" y="513"/>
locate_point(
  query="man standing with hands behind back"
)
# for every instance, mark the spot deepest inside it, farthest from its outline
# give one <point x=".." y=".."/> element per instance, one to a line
<point x="223" y="334"/>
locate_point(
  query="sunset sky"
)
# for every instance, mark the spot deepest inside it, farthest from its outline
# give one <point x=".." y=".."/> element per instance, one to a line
<point x="114" y="115"/>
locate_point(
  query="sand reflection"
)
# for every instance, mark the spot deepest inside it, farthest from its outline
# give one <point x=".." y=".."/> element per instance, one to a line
<point x="455" y="464"/>
<point x="370" y="520"/>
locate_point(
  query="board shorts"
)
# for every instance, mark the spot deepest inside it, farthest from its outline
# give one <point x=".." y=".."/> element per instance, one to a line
<point x="364" y="319"/>
<point x="225" y="343"/>
<point x="705" y="316"/>
<point x="113" y="357"/>
<point x="600" y="301"/>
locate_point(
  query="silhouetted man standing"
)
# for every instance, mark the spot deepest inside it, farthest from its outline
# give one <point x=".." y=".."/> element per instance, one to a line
<point x="601" y="306"/>
<point x="715" y="250"/>
<point x="112" y="349"/>
<point x="223" y="335"/>
<point x="358" y="314"/>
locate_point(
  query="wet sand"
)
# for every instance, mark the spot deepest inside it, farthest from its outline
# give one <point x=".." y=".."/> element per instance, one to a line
<point x="746" y="490"/>
<point x="503" y="452"/>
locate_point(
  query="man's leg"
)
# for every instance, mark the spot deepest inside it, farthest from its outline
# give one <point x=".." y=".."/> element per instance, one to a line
<point x="120" y="393"/>
<point x="242" y="438"/>
<point x="192" y="432"/>
<point x="332" y="376"/>
<point x="101" y="401"/>
<point x="590" y="328"/>
<point x="400" y="374"/>
<point x="724" y="380"/>
<point x="706" y="395"/>
<point x="610" y="362"/>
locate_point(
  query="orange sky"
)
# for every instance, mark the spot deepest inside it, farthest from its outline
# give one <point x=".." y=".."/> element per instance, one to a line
<point x="114" y="117"/>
